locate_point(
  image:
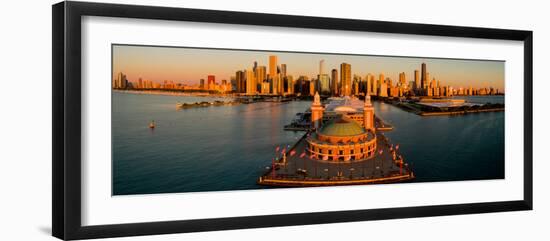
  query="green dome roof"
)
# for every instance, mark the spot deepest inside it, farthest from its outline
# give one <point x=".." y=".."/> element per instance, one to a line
<point x="342" y="127"/>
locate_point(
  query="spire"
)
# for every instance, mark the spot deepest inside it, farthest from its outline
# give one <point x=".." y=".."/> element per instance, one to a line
<point x="368" y="114"/>
<point x="316" y="111"/>
<point x="367" y="100"/>
<point x="317" y="99"/>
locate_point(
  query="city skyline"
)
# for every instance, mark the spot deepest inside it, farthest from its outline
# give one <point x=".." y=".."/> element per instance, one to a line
<point x="190" y="65"/>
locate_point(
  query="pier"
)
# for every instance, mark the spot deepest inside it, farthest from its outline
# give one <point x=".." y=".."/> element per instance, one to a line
<point x="433" y="108"/>
<point x="344" y="145"/>
<point x="292" y="170"/>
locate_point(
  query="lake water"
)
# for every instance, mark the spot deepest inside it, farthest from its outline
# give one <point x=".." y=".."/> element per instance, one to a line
<point x="495" y="99"/>
<point x="228" y="147"/>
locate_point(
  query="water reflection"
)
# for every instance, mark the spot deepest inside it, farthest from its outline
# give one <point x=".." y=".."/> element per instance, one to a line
<point x="227" y="147"/>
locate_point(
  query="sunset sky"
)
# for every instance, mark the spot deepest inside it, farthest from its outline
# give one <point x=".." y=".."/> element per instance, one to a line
<point x="189" y="65"/>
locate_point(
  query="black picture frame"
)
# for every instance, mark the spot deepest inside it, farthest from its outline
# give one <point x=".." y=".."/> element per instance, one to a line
<point x="66" y="127"/>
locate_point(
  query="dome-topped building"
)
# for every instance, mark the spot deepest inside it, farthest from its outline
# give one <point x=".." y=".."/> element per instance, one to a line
<point x="344" y="139"/>
<point x="342" y="146"/>
<point x="342" y="127"/>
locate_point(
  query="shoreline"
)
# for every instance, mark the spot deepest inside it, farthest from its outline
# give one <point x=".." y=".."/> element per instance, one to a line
<point x="266" y="97"/>
<point x="460" y="112"/>
<point x="174" y="93"/>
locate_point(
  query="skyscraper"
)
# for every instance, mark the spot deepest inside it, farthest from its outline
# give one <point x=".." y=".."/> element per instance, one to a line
<point x="265" y="88"/>
<point x="345" y="78"/>
<point x="240" y="78"/>
<point x="255" y="72"/>
<point x="355" y="84"/>
<point x="383" y="90"/>
<point x="402" y="79"/>
<point x="273" y="74"/>
<point x="211" y="82"/>
<point x="433" y="85"/>
<point x="273" y="83"/>
<point x="251" y="84"/>
<point x="427" y="80"/>
<point x="424" y="80"/>
<point x="324" y="84"/>
<point x="201" y="84"/>
<point x="381" y="81"/>
<point x="416" y="79"/>
<point x="233" y="83"/>
<point x="272" y="66"/>
<point x="321" y="67"/>
<point x="334" y="82"/>
<point x="121" y="82"/>
<point x="280" y="83"/>
<point x="370" y="84"/>
<point x="261" y="74"/>
<point x="283" y="70"/>
<point x="291" y="84"/>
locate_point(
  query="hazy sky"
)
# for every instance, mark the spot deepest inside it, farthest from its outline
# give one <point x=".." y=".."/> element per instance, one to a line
<point x="189" y="65"/>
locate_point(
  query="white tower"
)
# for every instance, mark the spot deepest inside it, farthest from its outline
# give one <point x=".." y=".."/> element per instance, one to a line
<point x="368" y="114"/>
<point x="316" y="111"/>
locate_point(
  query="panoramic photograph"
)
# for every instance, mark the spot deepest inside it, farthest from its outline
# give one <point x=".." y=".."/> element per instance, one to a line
<point x="187" y="119"/>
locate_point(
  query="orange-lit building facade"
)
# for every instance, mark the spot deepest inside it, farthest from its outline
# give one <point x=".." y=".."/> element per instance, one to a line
<point x="211" y="82"/>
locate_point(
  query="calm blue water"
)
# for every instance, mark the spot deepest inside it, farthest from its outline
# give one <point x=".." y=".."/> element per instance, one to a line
<point x="445" y="148"/>
<point x="228" y="147"/>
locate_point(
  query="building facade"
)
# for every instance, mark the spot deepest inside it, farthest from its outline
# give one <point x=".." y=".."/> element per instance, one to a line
<point x="334" y="82"/>
<point x="251" y="85"/>
<point x="345" y="78"/>
<point x="342" y="139"/>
